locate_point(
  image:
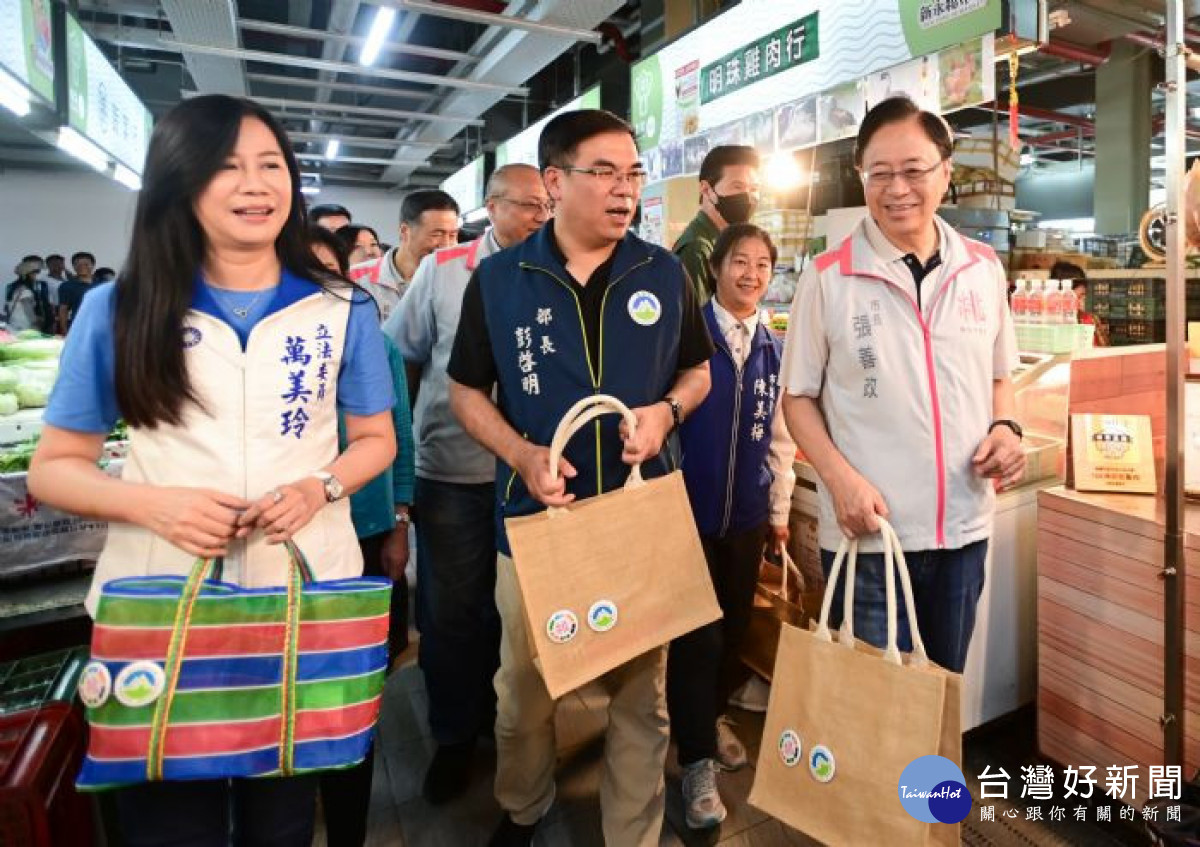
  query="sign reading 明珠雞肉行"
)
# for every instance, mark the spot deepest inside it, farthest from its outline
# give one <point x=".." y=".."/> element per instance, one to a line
<point x="774" y="53"/>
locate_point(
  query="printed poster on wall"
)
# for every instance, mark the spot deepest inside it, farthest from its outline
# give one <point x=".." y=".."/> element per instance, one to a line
<point x="101" y="106"/>
<point x="1113" y="453"/>
<point x="917" y="79"/>
<point x="796" y="124"/>
<point x="763" y="52"/>
<point x="965" y="75"/>
<point x="840" y="110"/>
<point x="26" y="45"/>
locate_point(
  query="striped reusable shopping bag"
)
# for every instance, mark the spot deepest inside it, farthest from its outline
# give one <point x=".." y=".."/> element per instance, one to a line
<point x="193" y="678"/>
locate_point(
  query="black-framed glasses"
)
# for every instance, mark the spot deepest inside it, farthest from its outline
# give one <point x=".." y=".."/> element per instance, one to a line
<point x="610" y="177"/>
<point x="878" y="179"/>
<point x="531" y="206"/>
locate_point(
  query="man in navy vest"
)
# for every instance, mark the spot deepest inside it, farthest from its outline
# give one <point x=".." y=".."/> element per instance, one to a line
<point x="581" y="307"/>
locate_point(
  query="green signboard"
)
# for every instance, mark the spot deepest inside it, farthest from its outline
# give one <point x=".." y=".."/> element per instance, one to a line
<point x="26" y="45"/>
<point x="782" y="56"/>
<point x="101" y="106"/>
<point x="774" y="53"/>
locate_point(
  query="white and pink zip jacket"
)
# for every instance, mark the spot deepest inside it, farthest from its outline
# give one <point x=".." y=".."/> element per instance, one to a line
<point x="905" y="383"/>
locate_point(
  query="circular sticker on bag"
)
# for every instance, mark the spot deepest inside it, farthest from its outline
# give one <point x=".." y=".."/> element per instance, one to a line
<point x="602" y="616"/>
<point x="790" y="748"/>
<point x="562" y="626"/>
<point x="139" y="684"/>
<point x="821" y="764"/>
<point x="95" y="685"/>
<point x="644" y="308"/>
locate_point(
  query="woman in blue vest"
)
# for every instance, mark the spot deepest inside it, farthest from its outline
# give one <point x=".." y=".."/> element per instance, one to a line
<point x="737" y="464"/>
<point x="228" y="350"/>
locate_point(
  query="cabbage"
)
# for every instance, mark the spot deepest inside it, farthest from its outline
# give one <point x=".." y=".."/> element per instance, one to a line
<point x="29" y="335"/>
<point x="8" y="379"/>
<point x="8" y="404"/>
<point x="33" y="395"/>
<point x="38" y="348"/>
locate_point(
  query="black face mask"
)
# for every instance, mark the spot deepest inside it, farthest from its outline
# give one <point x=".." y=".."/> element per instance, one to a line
<point x="735" y="208"/>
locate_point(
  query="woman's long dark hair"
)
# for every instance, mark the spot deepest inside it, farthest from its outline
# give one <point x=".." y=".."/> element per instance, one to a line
<point x="154" y="290"/>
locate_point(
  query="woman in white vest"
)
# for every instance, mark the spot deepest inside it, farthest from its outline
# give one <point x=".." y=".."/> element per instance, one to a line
<point x="228" y="351"/>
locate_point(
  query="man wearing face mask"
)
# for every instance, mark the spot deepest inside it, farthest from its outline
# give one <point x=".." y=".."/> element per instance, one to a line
<point x="728" y="195"/>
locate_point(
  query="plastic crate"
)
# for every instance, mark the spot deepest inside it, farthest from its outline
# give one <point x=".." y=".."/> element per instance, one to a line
<point x="1054" y="338"/>
<point x="1146" y="308"/>
<point x="34" y="681"/>
<point x="40" y="753"/>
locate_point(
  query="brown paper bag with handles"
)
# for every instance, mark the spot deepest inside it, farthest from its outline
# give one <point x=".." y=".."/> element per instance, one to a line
<point x="778" y="599"/>
<point x="874" y="711"/>
<point x="609" y="578"/>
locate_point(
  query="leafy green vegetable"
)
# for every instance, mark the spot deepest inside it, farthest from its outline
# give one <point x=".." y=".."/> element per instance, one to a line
<point x="8" y="403"/>
<point x="16" y="459"/>
<point x="29" y="335"/>
<point x="9" y="377"/>
<point x="37" y="348"/>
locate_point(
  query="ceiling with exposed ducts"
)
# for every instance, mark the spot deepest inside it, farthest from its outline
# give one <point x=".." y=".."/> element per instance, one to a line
<point x="455" y="77"/>
<point x="452" y="78"/>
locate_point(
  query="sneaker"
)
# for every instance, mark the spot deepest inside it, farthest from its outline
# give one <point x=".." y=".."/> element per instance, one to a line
<point x="731" y="753"/>
<point x="448" y="773"/>
<point x="752" y="696"/>
<point x="702" y="804"/>
<point x="512" y="834"/>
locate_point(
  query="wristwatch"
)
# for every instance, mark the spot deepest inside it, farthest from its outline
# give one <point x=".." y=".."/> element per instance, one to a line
<point x="1011" y="424"/>
<point x="676" y="409"/>
<point x="333" y="487"/>
<point x="403" y="517"/>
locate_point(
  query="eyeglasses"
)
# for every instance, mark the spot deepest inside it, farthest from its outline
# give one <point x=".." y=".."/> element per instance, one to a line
<point x="610" y="177"/>
<point x="531" y="206"/>
<point x="912" y="176"/>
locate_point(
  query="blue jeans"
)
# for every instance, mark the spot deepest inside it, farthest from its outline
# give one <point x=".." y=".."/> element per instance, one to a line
<point x="456" y="605"/>
<point x="946" y="587"/>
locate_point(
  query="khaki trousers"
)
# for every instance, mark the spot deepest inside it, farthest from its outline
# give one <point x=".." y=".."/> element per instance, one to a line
<point x="631" y="791"/>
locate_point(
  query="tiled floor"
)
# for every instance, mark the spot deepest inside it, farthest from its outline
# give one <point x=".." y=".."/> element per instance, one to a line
<point x="400" y="817"/>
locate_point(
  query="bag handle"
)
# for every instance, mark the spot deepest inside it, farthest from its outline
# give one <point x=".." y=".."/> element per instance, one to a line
<point x="299" y="574"/>
<point x="893" y="558"/>
<point x="582" y="413"/>
<point x="788" y="566"/>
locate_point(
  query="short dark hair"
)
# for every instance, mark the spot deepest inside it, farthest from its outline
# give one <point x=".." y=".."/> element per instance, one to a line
<point x="328" y="210"/>
<point x="82" y="254"/>
<point x="732" y="235"/>
<point x="896" y="110"/>
<point x="32" y="257"/>
<point x="103" y="272"/>
<point x="425" y="200"/>
<point x="318" y="234"/>
<point x="723" y="156"/>
<point x="562" y="136"/>
<point x="54" y="256"/>
<point x="1068" y="270"/>
<point x="348" y="235"/>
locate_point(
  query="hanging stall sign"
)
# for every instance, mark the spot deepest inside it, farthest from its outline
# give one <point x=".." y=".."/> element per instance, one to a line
<point x="101" y="106"/>
<point x="523" y="147"/>
<point x="789" y="51"/>
<point x="466" y="185"/>
<point x="26" y="45"/>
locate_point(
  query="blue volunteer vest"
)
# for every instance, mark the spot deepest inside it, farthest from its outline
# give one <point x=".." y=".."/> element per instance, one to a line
<point x="539" y="344"/>
<point x="727" y="440"/>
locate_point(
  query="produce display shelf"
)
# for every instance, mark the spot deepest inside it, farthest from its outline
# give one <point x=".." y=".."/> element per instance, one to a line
<point x="21" y="426"/>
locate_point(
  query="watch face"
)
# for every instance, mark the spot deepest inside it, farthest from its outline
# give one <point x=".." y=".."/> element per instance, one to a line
<point x="333" y="489"/>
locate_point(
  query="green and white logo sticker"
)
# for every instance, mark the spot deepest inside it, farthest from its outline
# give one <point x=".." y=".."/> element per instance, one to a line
<point x="139" y="684"/>
<point x="602" y="616"/>
<point x="644" y="308"/>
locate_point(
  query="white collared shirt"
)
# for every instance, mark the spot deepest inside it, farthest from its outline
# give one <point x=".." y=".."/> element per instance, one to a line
<point x="738" y="333"/>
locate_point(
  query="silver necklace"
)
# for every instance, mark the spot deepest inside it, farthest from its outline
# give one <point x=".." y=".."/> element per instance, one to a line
<point x="240" y="311"/>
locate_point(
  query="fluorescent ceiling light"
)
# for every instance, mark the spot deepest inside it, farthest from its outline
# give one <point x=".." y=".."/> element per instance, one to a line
<point x="70" y="141"/>
<point x="127" y="178"/>
<point x="13" y="95"/>
<point x="310" y="189"/>
<point x="332" y="148"/>
<point x="380" y="27"/>
<point x="475" y="215"/>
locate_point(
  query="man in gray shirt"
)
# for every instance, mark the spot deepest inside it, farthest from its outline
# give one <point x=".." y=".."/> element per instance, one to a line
<point x="454" y="503"/>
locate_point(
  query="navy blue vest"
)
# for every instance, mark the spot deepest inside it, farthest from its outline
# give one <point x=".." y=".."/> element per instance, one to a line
<point x="726" y="441"/>
<point x="538" y="341"/>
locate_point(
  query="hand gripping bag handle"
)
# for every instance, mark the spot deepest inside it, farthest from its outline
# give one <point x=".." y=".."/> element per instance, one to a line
<point x="894" y="561"/>
<point x="582" y="413"/>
